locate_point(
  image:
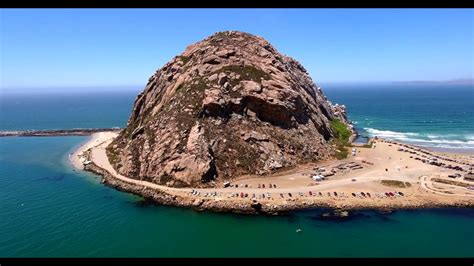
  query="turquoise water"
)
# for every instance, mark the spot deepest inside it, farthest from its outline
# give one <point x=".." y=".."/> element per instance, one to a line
<point x="49" y="210"/>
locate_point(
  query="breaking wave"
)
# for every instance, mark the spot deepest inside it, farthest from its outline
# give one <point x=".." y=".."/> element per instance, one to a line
<point x="453" y="141"/>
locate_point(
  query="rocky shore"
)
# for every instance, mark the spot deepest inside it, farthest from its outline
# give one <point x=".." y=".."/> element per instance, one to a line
<point x="253" y="207"/>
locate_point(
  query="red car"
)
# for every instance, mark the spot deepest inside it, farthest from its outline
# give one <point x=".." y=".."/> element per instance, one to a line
<point x="311" y="193"/>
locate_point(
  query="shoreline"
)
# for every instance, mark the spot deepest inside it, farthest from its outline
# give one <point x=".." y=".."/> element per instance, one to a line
<point x="162" y="198"/>
<point x="452" y="151"/>
<point x="422" y="195"/>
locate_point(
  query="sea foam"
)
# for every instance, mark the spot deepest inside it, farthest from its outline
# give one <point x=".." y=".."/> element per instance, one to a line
<point x="459" y="141"/>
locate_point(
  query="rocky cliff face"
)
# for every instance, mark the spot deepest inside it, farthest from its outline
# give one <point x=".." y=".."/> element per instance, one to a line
<point x="229" y="105"/>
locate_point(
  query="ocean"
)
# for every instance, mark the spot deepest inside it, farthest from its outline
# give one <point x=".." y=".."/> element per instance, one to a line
<point x="49" y="210"/>
<point x="428" y="115"/>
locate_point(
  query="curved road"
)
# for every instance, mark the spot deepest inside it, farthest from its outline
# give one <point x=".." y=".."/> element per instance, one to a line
<point x="99" y="157"/>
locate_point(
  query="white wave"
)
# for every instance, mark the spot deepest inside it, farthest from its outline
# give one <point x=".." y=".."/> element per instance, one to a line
<point x="443" y="141"/>
<point x="462" y="137"/>
<point x="428" y="140"/>
<point x="389" y="134"/>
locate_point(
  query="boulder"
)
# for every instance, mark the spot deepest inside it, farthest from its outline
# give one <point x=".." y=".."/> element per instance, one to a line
<point x="237" y="100"/>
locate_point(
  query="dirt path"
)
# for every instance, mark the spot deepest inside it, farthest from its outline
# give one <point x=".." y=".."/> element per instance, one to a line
<point x="427" y="184"/>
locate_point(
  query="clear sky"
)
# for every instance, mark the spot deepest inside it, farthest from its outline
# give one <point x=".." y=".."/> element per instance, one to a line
<point x="44" y="48"/>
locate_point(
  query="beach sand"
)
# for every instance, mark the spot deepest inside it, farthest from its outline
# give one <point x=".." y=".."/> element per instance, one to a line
<point x="381" y="163"/>
<point x="95" y="140"/>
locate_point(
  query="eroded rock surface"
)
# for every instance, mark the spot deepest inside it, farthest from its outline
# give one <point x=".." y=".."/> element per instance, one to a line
<point x="229" y="105"/>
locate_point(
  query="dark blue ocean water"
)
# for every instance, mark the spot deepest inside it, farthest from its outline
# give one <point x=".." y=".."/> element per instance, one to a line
<point x="65" y="110"/>
<point x="431" y="115"/>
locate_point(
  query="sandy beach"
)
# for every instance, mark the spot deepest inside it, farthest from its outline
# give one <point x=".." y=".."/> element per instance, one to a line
<point x="388" y="175"/>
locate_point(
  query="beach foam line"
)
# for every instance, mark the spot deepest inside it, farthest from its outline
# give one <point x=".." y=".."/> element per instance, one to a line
<point x="428" y="140"/>
<point x="389" y="134"/>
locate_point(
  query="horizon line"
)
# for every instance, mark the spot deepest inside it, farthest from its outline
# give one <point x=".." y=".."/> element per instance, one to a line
<point x="466" y="81"/>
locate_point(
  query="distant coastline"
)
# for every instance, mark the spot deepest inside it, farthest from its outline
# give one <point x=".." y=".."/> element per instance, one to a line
<point x="466" y="81"/>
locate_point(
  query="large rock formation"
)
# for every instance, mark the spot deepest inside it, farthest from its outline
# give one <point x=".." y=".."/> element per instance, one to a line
<point x="229" y="105"/>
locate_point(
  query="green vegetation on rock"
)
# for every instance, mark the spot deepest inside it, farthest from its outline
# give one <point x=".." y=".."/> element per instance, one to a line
<point x="342" y="134"/>
<point x="340" y="129"/>
<point x="246" y="72"/>
<point x="183" y="58"/>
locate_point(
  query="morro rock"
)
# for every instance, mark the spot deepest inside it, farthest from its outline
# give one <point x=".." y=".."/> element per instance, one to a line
<point x="230" y="105"/>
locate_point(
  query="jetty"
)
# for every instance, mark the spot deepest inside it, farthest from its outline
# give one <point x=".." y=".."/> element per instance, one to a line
<point x="57" y="132"/>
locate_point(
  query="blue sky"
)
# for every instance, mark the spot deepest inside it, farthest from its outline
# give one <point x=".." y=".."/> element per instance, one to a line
<point x="46" y="48"/>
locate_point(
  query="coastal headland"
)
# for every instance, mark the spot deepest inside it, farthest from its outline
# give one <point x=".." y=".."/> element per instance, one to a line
<point x="231" y="124"/>
<point x="385" y="175"/>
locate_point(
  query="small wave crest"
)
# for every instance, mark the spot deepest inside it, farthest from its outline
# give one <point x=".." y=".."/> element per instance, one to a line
<point x="427" y="140"/>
